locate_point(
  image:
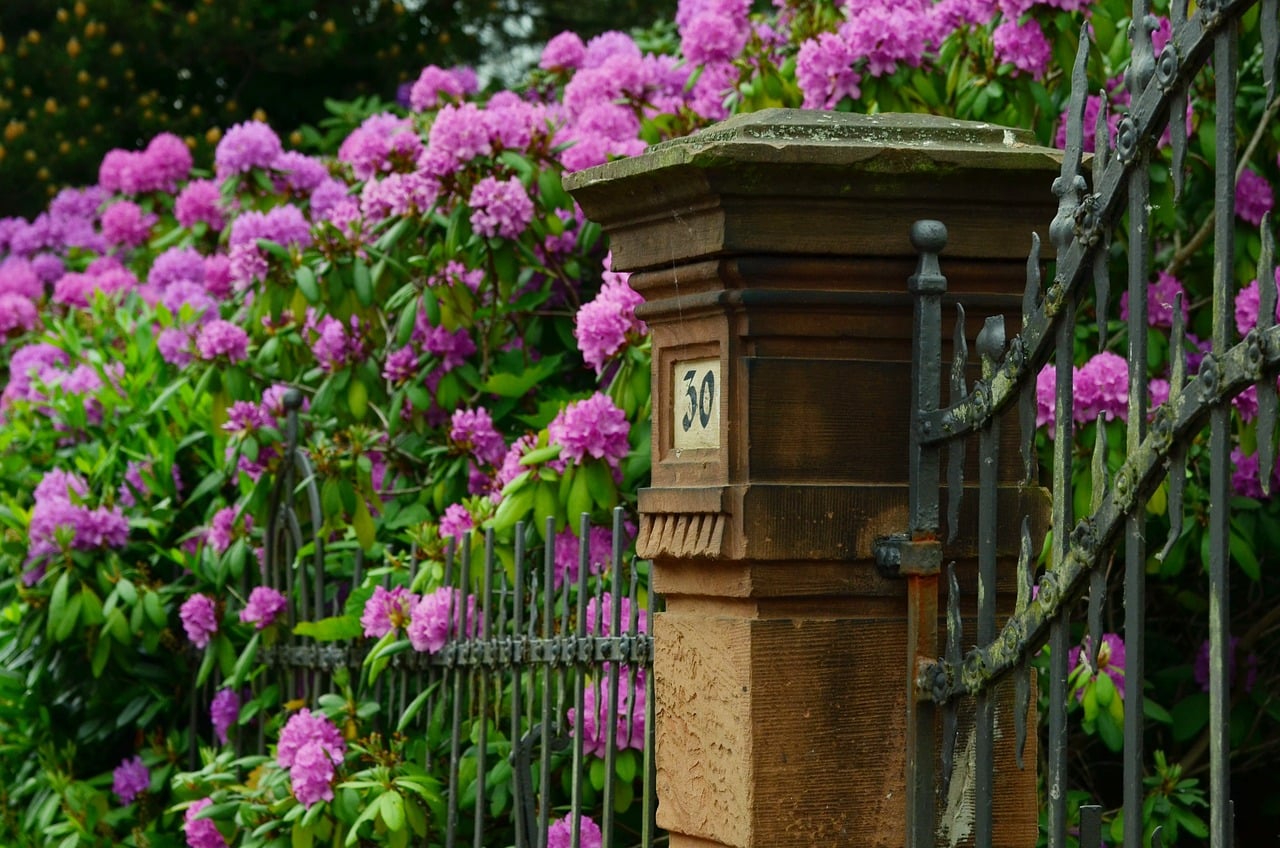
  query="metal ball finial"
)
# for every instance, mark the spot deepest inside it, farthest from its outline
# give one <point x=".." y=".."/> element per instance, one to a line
<point x="293" y="399"/>
<point x="928" y="236"/>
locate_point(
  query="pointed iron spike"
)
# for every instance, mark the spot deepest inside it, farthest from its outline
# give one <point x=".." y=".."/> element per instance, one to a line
<point x="1270" y="40"/>
<point x="1178" y="139"/>
<point x="1177" y="355"/>
<point x="1024" y="566"/>
<point x="1177" y="480"/>
<point x="1157" y="837"/>
<point x="1027" y="426"/>
<point x="1099" y="464"/>
<point x="1267" y="401"/>
<point x="1022" y="706"/>
<point x="950" y="718"/>
<point x="1142" y="62"/>
<point x="1101" y="274"/>
<point x="1097" y="581"/>
<point x="955" y="627"/>
<point x="1070" y="182"/>
<point x="955" y="451"/>
<point x="1031" y="294"/>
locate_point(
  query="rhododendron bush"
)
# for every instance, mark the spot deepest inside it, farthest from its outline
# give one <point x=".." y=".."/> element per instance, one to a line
<point x="463" y="358"/>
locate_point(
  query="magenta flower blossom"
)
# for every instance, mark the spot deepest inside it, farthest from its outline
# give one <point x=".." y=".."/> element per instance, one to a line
<point x="245" y="146"/>
<point x="439" y="616"/>
<point x="593" y="427"/>
<point x="224" y="712"/>
<point x="1024" y="46"/>
<point x="1201" y="669"/>
<point x="387" y="610"/>
<point x="17" y="315"/>
<point x="1254" y="197"/>
<point x="200" y="201"/>
<point x="472" y="431"/>
<point x="564" y="52"/>
<point x="600" y="616"/>
<point x="201" y="833"/>
<point x="59" y="506"/>
<point x="567" y="557"/>
<point x="604" y="325"/>
<point x="18" y="276"/>
<point x="1247" y="301"/>
<point x="629" y="730"/>
<point x="500" y="208"/>
<point x="434" y="85"/>
<point x="713" y="30"/>
<point x="222" y="339"/>
<point x="1110" y="660"/>
<point x="1161" y="295"/>
<point x="130" y="779"/>
<point x="310" y="747"/>
<point x="283" y="224"/>
<point x="264" y="606"/>
<point x="453" y="348"/>
<point x="199" y="616"/>
<point x="1102" y="388"/>
<point x="560" y="833"/>
<point x="125" y="224"/>
<point x="456" y="522"/>
<point x="825" y="73"/>
<point x="299" y="172"/>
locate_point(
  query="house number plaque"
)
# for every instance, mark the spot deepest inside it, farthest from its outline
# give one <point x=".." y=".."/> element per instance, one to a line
<point x="696" y="418"/>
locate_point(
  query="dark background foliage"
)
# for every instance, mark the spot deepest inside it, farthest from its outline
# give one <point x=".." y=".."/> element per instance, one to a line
<point x="80" y="78"/>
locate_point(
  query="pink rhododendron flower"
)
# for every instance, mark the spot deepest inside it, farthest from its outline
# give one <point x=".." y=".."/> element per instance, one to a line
<point x="310" y="747"/>
<point x="593" y="427"/>
<point x="130" y="779"/>
<point x="439" y="616"/>
<point x="199" y="614"/>
<point x="263" y="607"/>
<point x="387" y="610"/>
<point x="201" y="833"/>
<point x="224" y="712"/>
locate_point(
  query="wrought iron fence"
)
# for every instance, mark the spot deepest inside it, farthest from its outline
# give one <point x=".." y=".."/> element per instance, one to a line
<point x="1155" y="446"/>
<point x="540" y="695"/>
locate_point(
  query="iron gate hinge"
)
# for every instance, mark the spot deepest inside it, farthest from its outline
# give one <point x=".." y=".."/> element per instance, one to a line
<point x="898" y="555"/>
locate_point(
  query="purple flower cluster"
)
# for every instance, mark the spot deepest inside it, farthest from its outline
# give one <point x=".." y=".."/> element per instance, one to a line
<point x="560" y="833"/>
<point x="593" y="724"/>
<point x="472" y="431"/>
<point x="1161" y="297"/>
<point x="593" y="427"/>
<point x="435" y="85"/>
<point x="1110" y="660"/>
<point x="387" y="610"/>
<point x="381" y="144"/>
<point x="1023" y="45"/>
<point x="1254" y="197"/>
<point x="456" y="522"/>
<point x="1099" y="388"/>
<point x="130" y="779"/>
<point x="224" y="712"/>
<point x="201" y="833"/>
<point x="164" y="164"/>
<point x="1248" y="299"/>
<point x="244" y="147"/>
<point x="61" y="520"/>
<point x="439" y="616"/>
<point x="200" y="202"/>
<point x="568" y="556"/>
<point x="264" y="606"/>
<point x="500" y="208"/>
<point x="223" y="528"/>
<point x="606" y="324"/>
<point x="199" y="614"/>
<point x="222" y="340"/>
<point x="310" y="747"/>
<point x="713" y="30"/>
<point x="124" y="224"/>
<point x="1201" y="667"/>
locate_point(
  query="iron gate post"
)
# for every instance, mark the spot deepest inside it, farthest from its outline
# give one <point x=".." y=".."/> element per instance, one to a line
<point x="773" y="254"/>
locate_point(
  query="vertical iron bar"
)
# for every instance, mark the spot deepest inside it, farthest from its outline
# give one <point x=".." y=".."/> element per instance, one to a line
<point x="1067" y="187"/>
<point x="1266" y="389"/>
<point x="990" y="348"/>
<point x="613" y="628"/>
<point x="1178" y="452"/>
<point x="927" y="286"/>
<point x="1101" y="271"/>
<point x="579" y="680"/>
<point x="548" y="615"/>
<point x="484" y="611"/>
<point x="1027" y="397"/>
<point x="1225" y="64"/>
<point x="1090" y="826"/>
<point x="520" y="673"/>
<point x="955" y="451"/>
<point x="455" y="672"/>
<point x="1022" y="676"/>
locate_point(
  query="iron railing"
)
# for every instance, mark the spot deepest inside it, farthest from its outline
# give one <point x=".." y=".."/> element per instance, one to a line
<point x="1155" y="441"/>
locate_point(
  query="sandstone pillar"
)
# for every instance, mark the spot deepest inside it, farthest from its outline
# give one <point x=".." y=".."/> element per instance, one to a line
<point x="773" y="254"/>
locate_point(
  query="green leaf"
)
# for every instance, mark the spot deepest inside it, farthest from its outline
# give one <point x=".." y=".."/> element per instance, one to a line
<point x="415" y="706"/>
<point x="604" y="491"/>
<point x="512" y="509"/>
<point x="539" y="455"/>
<point x="405" y="324"/>
<point x="302" y="836"/>
<point x="392" y="810"/>
<point x="58" y="602"/>
<point x="1190" y="715"/>
<point x="101" y="653"/>
<point x="305" y="278"/>
<point x="332" y="629"/>
<point x="505" y="384"/>
<point x="245" y="662"/>
<point x="362" y="282"/>
<point x="362" y="521"/>
<point x="1244" y="556"/>
<point x="154" y="607"/>
<point x="597" y="774"/>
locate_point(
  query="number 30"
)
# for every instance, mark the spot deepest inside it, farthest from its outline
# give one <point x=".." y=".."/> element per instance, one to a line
<point x="701" y="399"/>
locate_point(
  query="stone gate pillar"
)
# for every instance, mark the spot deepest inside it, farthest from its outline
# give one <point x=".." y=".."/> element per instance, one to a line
<point x="773" y="253"/>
